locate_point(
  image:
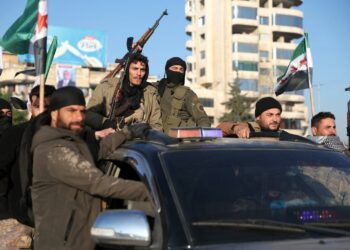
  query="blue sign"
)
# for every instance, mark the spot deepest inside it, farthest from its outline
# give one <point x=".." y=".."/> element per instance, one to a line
<point x="75" y="46"/>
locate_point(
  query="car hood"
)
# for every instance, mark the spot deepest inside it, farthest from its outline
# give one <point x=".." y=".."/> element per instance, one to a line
<point x="307" y="244"/>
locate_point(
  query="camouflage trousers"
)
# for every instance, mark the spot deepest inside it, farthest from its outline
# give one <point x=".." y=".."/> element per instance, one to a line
<point x="14" y="235"/>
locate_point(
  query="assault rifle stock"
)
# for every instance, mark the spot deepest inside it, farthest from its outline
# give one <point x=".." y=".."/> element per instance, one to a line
<point x="122" y="63"/>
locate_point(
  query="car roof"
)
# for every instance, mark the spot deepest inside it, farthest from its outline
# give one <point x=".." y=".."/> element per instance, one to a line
<point x="162" y="142"/>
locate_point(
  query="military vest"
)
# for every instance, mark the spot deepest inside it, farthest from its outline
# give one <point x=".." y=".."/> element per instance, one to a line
<point x="174" y="119"/>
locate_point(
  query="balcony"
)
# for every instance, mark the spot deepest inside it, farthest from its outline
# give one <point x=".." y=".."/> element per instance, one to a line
<point x="190" y="45"/>
<point x="189" y="29"/>
<point x="287" y="23"/>
<point x="287" y="3"/>
<point x="244" y="19"/>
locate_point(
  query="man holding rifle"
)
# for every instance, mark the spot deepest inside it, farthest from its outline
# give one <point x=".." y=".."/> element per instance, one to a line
<point x="129" y="99"/>
<point x="138" y="101"/>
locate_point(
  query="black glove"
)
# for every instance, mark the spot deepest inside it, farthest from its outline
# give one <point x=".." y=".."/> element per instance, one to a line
<point x="137" y="130"/>
<point x="109" y="124"/>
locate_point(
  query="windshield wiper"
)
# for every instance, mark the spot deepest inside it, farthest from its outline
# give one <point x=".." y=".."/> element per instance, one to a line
<point x="271" y="226"/>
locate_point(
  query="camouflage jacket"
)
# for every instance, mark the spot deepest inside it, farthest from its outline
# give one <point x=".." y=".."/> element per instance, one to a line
<point x="99" y="106"/>
<point x="67" y="186"/>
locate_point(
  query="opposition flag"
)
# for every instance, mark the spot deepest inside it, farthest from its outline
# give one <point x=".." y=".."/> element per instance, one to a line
<point x="49" y="59"/>
<point x="299" y="69"/>
<point x="39" y="39"/>
<point x="17" y="38"/>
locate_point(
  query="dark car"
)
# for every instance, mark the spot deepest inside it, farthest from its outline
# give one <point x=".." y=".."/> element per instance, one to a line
<point x="227" y="193"/>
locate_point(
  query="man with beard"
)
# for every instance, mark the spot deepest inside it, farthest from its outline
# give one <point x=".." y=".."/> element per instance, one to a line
<point x="180" y="106"/>
<point x="67" y="185"/>
<point x="138" y="100"/>
<point x="267" y="118"/>
<point x="5" y="115"/>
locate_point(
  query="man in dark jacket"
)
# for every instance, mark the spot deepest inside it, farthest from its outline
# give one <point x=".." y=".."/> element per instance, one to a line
<point x="180" y="106"/>
<point x="9" y="159"/>
<point x="67" y="185"/>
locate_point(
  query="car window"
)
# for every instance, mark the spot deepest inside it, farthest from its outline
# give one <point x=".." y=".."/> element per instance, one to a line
<point x="293" y="186"/>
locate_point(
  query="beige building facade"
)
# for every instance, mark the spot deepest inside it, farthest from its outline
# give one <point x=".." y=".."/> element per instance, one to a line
<point x="245" y="41"/>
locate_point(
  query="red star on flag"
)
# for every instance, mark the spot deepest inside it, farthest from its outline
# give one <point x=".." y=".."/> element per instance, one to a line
<point x="42" y="21"/>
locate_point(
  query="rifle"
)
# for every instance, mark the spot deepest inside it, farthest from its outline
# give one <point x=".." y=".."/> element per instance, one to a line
<point x="122" y="63"/>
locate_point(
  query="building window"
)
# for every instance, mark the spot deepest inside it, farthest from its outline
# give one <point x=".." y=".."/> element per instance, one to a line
<point x="287" y="20"/>
<point x="264" y="89"/>
<point x="264" y="20"/>
<point x="248" y="84"/>
<point x="289" y="107"/>
<point x="202" y="72"/>
<point x="264" y="71"/>
<point x="246" y="66"/>
<point x="245" y="47"/>
<point x="244" y="12"/>
<point x="284" y="54"/>
<point x="202" y="36"/>
<point x="201" y="21"/>
<point x="264" y="54"/>
<point x="189" y="67"/>
<point x="207" y="102"/>
<point x="202" y="54"/>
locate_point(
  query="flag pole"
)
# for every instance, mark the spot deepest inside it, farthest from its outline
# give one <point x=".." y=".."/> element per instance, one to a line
<point x="41" y="93"/>
<point x="309" y="74"/>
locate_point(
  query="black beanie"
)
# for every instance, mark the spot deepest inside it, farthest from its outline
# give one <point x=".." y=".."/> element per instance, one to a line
<point x="266" y="103"/>
<point x="4" y="104"/>
<point x="175" y="61"/>
<point x="48" y="91"/>
<point x="66" y="96"/>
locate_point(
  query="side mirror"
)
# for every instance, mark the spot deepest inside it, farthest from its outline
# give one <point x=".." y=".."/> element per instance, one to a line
<point x="122" y="227"/>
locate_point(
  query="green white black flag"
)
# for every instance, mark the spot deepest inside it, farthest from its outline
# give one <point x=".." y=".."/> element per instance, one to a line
<point x="17" y="38"/>
<point x="299" y="69"/>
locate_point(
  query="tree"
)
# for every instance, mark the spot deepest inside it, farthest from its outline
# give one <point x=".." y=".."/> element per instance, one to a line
<point x="18" y="116"/>
<point x="238" y="105"/>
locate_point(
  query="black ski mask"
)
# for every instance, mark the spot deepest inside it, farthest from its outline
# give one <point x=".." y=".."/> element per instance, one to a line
<point x="172" y="76"/>
<point x="5" y="120"/>
<point x="5" y="123"/>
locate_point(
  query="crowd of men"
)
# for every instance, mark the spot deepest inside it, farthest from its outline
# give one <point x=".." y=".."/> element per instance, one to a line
<point x="48" y="165"/>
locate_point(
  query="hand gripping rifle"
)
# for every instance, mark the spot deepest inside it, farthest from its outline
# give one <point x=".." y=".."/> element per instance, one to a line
<point x="122" y="63"/>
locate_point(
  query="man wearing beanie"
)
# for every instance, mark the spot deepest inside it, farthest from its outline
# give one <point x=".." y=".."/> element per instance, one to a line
<point x="5" y="115"/>
<point x="267" y="118"/>
<point x="67" y="185"/>
<point x="138" y="100"/>
<point x="180" y="106"/>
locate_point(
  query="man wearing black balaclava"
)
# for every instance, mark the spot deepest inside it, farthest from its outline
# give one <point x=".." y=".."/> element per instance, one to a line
<point x="180" y="106"/>
<point x="138" y="101"/>
<point x="5" y="115"/>
<point x="67" y="185"/>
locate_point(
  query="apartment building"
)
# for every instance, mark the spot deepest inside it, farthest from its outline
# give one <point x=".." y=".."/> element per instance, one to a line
<point x="245" y="41"/>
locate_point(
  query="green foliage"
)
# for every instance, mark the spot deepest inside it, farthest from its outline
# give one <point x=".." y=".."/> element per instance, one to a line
<point x="18" y="116"/>
<point x="238" y="106"/>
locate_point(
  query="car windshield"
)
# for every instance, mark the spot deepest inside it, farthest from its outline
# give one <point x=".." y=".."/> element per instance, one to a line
<point x="253" y="195"/>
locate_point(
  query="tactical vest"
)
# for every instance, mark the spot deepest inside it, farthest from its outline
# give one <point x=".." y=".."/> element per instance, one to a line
<point x="174" y="120"/>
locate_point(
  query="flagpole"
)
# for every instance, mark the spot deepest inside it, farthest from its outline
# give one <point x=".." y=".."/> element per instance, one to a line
<point x="309" y="75"/>
<point x="311" y="95"/>
<point x="41" y="93"/>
